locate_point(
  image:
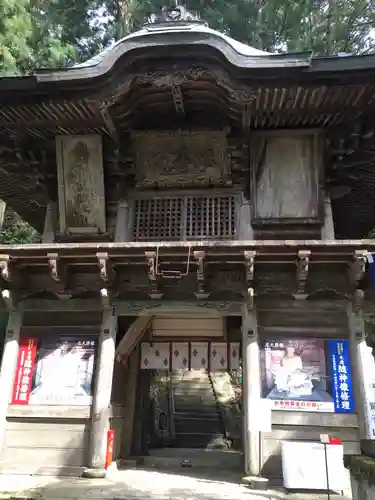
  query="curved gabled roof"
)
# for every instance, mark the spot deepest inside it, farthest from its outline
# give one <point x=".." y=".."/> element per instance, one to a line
<point x="178" y="35"/>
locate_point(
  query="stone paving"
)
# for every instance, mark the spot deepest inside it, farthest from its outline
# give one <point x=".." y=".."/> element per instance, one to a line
<point x="136" y="485"/>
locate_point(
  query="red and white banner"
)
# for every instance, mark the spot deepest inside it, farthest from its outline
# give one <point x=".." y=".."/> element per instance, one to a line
<point x="24" y="372"/>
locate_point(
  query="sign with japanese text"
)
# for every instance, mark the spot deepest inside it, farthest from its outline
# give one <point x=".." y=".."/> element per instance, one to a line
<point x="59" y="371"/>
<point x="341" y="376"/>
<point x="24" y="371"/>
<point x="294" y="375"/>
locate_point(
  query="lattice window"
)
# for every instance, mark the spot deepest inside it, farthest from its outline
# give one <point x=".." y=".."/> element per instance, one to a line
<point x="158" y="219"/>
<point x="185" y="218"/>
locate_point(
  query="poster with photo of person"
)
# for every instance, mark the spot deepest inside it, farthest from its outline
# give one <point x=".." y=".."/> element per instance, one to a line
<point x="296" y="375"/>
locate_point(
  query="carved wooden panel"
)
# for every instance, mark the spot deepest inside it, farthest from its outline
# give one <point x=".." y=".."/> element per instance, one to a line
<point x="81" y="183"/>
<point x="181" y="159"/>
<point x="285" y="177"/>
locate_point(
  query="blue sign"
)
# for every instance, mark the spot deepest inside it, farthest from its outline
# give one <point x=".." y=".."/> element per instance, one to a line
<point x="341" y="376"/>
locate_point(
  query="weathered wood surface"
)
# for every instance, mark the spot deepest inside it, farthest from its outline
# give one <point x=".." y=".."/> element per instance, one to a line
<point x="132" y="337"/>
<point x="285" y="176"/>
<point x="8" y="366"/>
<point x="181" y="159"/>
<point x="30" y="446"/>
<point x="187" y="326"/>
<point x="81" y="183"/>
<point x="129" y="390"/>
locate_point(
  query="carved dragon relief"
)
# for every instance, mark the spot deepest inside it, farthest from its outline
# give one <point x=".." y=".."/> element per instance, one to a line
<point x="169" y="160"/>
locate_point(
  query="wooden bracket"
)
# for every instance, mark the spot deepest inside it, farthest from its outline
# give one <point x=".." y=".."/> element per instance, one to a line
<point x="302" y="273"/>
<point x="199" y="256"/>
<point x="4" y="267"/>
<point x="250" y="267"/>
<point x="358" y="267"/>
<point x="104" y="266"/>
<point x="55" y="268"/>
<point x="153" y="278"/>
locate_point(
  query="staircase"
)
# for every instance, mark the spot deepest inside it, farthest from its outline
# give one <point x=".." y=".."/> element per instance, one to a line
<point x="197" y="420"/>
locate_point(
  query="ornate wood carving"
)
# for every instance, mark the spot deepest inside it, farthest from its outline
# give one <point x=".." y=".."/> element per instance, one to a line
<point x="53" y="265"/>
<point x="152" y="277"/>
<point x="250" y="266"/>
<point x="178" y="99"/>
<point x="174" y="14"/>
<point x="358" y="266"/>
<point x="81" y="184"/>
<point x="4" y="267"/>
<point x="201" y="292"/>
<point x="302" y="273"/>
<point x="163" y="306"/>
<point x="181" y="159"/>
<point x="106" y="271"/>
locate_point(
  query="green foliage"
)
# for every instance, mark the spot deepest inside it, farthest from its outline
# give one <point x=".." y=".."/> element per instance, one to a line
<point x="16" y="231"/>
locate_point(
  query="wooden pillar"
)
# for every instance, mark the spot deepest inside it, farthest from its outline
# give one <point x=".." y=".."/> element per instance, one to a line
<point x="251" y="380"/>
<point x="361" y="357"/>
<point x="130" y="392"/>
<point x="244" y="228"/>
<point x="8" y="366"/>
<point x="49" y="224"/>
<point x="124" y="221"/>
<point x="328" y="230"/>
<point x="102" y="395"/>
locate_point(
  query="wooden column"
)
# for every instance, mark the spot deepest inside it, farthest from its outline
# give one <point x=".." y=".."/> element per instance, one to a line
<point x="8" y="366"/>
<point x="359" y="352"/>
<point x="328" y="230"/>
<point x="102" y="395"/>
<point x="244" y="228"/>
<point x="251" y="389"/>
<point x="124" y="221"/>
<point x="49" y="224"/>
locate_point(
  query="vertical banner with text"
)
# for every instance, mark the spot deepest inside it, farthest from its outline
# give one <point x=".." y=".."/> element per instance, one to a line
<point x="24" y="371"/>
<point x="341" y="376"/>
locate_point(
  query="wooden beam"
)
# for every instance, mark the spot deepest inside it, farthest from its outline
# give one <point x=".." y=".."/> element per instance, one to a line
<point x="132" y="338"/>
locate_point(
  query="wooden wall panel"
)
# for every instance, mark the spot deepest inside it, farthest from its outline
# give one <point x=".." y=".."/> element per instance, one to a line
<point x="187" y="326"/>
<point x="286" y="176"/>
<point x="34" y="446"/>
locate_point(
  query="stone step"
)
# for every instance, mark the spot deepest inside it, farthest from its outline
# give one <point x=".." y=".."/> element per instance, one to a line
<point x="200" y="440"/>
<point x="198" y="426"/>
<point x="197" y="414"/>
<point x="180" y="457"/>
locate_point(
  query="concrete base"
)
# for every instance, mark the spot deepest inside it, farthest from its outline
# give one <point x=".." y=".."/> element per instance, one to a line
<point x="94" y="473"/>
<point x="255" y="482"/>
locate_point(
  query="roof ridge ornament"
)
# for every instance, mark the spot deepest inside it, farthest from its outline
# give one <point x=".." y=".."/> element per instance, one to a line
<point x="174" y="14"/>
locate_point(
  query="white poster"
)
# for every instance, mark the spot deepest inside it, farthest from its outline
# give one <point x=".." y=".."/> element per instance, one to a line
<point x="63" y="372"/>
<point x="368" y="378"/>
